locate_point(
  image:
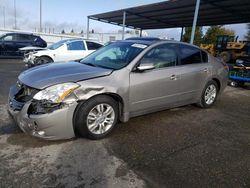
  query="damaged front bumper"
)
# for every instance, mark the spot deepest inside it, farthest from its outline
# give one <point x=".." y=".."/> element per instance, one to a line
<point x="29" y="60"/>
<point x="54" y="125"/>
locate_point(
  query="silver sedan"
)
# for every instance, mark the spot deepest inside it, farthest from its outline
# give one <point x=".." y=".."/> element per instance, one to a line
<point x="117" y="82"/>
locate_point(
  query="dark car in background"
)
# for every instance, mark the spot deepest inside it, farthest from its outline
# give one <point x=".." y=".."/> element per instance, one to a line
<point x="11" y="42"/>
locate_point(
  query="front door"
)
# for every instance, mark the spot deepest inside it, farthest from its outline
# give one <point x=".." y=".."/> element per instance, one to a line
<point x="157" y="88"/>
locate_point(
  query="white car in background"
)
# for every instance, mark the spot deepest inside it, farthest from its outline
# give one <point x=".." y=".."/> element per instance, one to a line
<point x="64" y="50"/>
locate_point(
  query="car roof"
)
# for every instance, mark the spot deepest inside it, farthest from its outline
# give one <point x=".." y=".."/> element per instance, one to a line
<point x="151" y="41"/>
<point x="20" y="33"/>
<point x="77" y="39"/>
<point x="144" y="38"/>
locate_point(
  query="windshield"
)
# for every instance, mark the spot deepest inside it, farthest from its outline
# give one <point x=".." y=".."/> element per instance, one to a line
<point x="56" y="45"/>
<point x="115" y="55"/>
<point x="1" y="36"/>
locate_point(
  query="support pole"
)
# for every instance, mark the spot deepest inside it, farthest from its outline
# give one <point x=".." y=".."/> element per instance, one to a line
<point x="140" y="32"/>
<point x="3" y="17"/>
<point x="123" y="25"/>
<point x="40" y="29"/>
<point x="87" y="27"/>
<point x="181" y="33"/>
<point x="195" y="20"/>
<point x="15" y="13"/>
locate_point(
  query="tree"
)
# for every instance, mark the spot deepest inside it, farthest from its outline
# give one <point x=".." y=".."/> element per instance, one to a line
<point x="63" y="32"/>
<point x="214" y="31"/>
<point x="248" y="32"/>
<point x="198" y="35"/>
<point x="72" y="31"/>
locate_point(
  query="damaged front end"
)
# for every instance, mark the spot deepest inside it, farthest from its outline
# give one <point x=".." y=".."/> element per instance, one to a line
<point x="29" y="59"/>
<point x="43" y="107"/>
<point x="46" y="113"/>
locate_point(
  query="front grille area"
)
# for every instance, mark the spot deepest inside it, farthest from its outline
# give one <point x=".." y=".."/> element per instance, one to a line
<point x="24" y="93"/>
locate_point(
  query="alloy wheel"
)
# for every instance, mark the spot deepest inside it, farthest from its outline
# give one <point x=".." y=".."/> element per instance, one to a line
<point x="100" y="119"/>
<point x="210" y="94"/>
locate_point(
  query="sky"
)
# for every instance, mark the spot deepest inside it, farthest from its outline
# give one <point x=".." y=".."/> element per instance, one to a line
<point x="67" y="15"/>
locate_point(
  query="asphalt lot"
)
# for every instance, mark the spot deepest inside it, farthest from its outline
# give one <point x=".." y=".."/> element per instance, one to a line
<point x="182" y="147"/>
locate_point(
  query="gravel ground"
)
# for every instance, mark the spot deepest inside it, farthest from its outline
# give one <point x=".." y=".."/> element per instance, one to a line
<point x="182" y="147"/>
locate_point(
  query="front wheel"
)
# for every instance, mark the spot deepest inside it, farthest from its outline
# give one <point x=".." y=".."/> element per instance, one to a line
<point x="97" y="117"/>
<point x="43" y="60"/>
<point x="209" y="94"/>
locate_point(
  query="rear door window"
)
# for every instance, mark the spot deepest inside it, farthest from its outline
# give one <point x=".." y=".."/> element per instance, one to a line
<point x="76" y="45"/>
<point x="23" y="37"/>
<point x="189" y="55"/>
<point x="93" y="45"/>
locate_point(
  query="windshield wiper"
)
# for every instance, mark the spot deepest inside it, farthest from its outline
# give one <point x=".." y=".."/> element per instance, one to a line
<point x="90" y="64"/>
<point x="93" y="65"/>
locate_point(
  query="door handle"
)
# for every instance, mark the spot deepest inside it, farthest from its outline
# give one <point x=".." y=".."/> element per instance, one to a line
<point x="173" y="77"/>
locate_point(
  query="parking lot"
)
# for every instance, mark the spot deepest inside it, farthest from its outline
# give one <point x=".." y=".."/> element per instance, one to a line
<point x="182" y="147"/>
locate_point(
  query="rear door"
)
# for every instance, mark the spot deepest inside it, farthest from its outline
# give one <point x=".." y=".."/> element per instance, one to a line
<point x="194" y="71"/>
<point x="23" y="40"/>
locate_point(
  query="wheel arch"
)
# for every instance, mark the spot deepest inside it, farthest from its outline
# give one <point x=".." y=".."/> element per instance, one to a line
<point x="218" y="82"/>
<point x="47" y="56"/>
<point x="114" y="96"/>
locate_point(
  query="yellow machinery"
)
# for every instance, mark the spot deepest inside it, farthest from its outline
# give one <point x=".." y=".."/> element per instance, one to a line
<point x="228" y="48"/>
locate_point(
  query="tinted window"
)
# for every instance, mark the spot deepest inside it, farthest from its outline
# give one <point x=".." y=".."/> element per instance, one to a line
<point x="24" y="37"/>
<point x="76" y="45"/>
<point x="162" y="56"/>
<point x="35" y="38"/>
<point x="189" y="55"/>
<point x="93" y="45"/>
<point x="204" y="56"/>
<point x="9" y="38"/>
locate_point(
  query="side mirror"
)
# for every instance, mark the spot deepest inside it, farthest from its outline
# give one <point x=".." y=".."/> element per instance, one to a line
<point x="145" y="66"/>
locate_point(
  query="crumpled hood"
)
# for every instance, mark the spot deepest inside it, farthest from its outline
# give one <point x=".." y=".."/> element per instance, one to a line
<point x="46" y="75"/>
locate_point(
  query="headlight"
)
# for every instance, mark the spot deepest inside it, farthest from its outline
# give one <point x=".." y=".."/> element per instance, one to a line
<point x="56" y="93"/>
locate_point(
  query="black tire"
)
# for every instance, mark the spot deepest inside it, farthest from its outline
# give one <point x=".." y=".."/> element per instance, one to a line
<point x="82" y="111"/>
<point x="43" y="60"/>
<point x="241" y="84"/>
<point x="202" y="103"/>
<point x="226" y="56"/>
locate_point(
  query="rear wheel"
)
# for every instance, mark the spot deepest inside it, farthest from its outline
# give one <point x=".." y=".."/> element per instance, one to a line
<point x="209" y="94"/>
<point x="241" y="84"/>
<point x="97" y="117"/>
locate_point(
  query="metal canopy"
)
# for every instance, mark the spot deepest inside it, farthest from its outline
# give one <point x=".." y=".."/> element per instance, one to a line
<point x="179" y="13"/>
